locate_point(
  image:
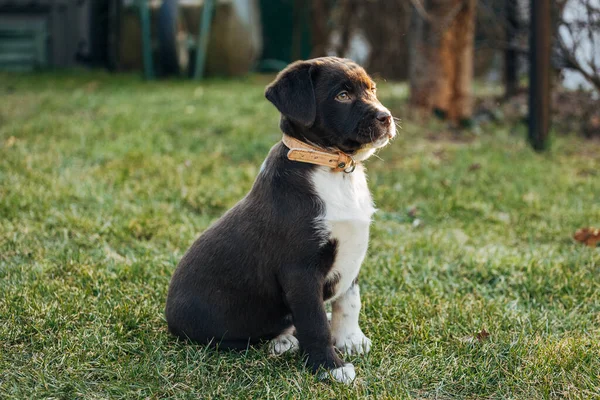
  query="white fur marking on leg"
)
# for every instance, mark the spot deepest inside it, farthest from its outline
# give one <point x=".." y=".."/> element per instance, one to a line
<point x="347" y="335"/>
<point x="344" y="374"/>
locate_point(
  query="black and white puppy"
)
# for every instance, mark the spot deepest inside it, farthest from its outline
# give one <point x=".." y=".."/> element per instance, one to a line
<point x="265" y="269"/>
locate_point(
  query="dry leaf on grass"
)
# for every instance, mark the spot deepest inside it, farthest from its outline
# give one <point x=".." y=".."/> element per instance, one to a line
<point x="483" y="335"/>
<point x="477" y="338"/>
<point x="588" y="236"/>
<point x="474" y="167"/>
<point x="413" y="212"/>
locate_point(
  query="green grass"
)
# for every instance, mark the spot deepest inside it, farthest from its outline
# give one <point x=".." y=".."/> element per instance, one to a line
<point x="106" y="180"/>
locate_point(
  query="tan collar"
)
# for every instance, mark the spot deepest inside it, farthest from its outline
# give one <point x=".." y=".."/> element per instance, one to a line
<point x="304" y="152"/>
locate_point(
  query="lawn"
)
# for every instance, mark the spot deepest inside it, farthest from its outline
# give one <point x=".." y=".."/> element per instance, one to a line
<point x="473" y="286"/>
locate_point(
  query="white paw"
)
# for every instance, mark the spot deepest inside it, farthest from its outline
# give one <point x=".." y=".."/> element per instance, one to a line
<point x="283" y="343"/>
<point x="352" y="342"/>
<point x="344" y="374"/>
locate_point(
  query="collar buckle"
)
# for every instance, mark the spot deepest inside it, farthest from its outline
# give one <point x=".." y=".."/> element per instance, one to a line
<point x="349" y="169"/>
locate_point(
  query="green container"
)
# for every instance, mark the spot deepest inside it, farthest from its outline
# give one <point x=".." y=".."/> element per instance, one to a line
<point x="286" y="33"/>
<point x="23" y="44"/>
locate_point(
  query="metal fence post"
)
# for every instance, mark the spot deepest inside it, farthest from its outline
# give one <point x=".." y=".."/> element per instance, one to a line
<point x="539" y="74"/>
<point x="146" y="39"/>
<point x="203" y="36"/>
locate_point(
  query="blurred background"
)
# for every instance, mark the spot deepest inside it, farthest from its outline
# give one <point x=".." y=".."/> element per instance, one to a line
<point x="439" y="47"/>
<point x="128" y="127"/>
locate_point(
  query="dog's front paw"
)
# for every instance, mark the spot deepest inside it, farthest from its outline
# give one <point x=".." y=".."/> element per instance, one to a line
<point x="352" y="342"/>
<point x="344" y="374"/>
<point x="283" y="343"/>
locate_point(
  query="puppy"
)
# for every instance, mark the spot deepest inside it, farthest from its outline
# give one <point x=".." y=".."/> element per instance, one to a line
<point x="265" y="269"/>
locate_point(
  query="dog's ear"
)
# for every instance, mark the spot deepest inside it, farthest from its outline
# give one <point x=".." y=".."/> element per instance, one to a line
<point x="293" y="94"/>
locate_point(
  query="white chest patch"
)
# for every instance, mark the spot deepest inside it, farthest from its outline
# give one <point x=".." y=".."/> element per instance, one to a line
<point x="347" y="216"/>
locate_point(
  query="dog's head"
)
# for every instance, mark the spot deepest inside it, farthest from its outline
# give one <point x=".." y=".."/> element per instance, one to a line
<point x="332" y="102"/>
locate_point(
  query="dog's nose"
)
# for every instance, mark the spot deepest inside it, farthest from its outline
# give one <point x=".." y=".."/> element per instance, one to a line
<point x="384" y="117"/>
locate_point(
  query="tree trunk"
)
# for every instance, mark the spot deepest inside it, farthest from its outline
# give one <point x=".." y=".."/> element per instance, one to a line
<point x="347" y="17"/>
<point x="511" y="60"/>
<point x="384" y="23"/>
<point x="298" y="11"/>
<point x="442" y="67"/>
<point x="320" y="12"/>
<point x="425" y="65"/>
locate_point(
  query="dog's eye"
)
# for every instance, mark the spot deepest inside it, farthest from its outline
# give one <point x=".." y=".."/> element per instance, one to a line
<point x="343" y="96"/>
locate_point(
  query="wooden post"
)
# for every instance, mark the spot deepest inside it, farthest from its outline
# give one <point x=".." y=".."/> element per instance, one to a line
<point x="539" y="74"/>
<point x="511" y="61"/>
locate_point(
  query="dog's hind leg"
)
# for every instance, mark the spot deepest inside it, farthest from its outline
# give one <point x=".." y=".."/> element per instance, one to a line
<point x="285" y="342"/>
